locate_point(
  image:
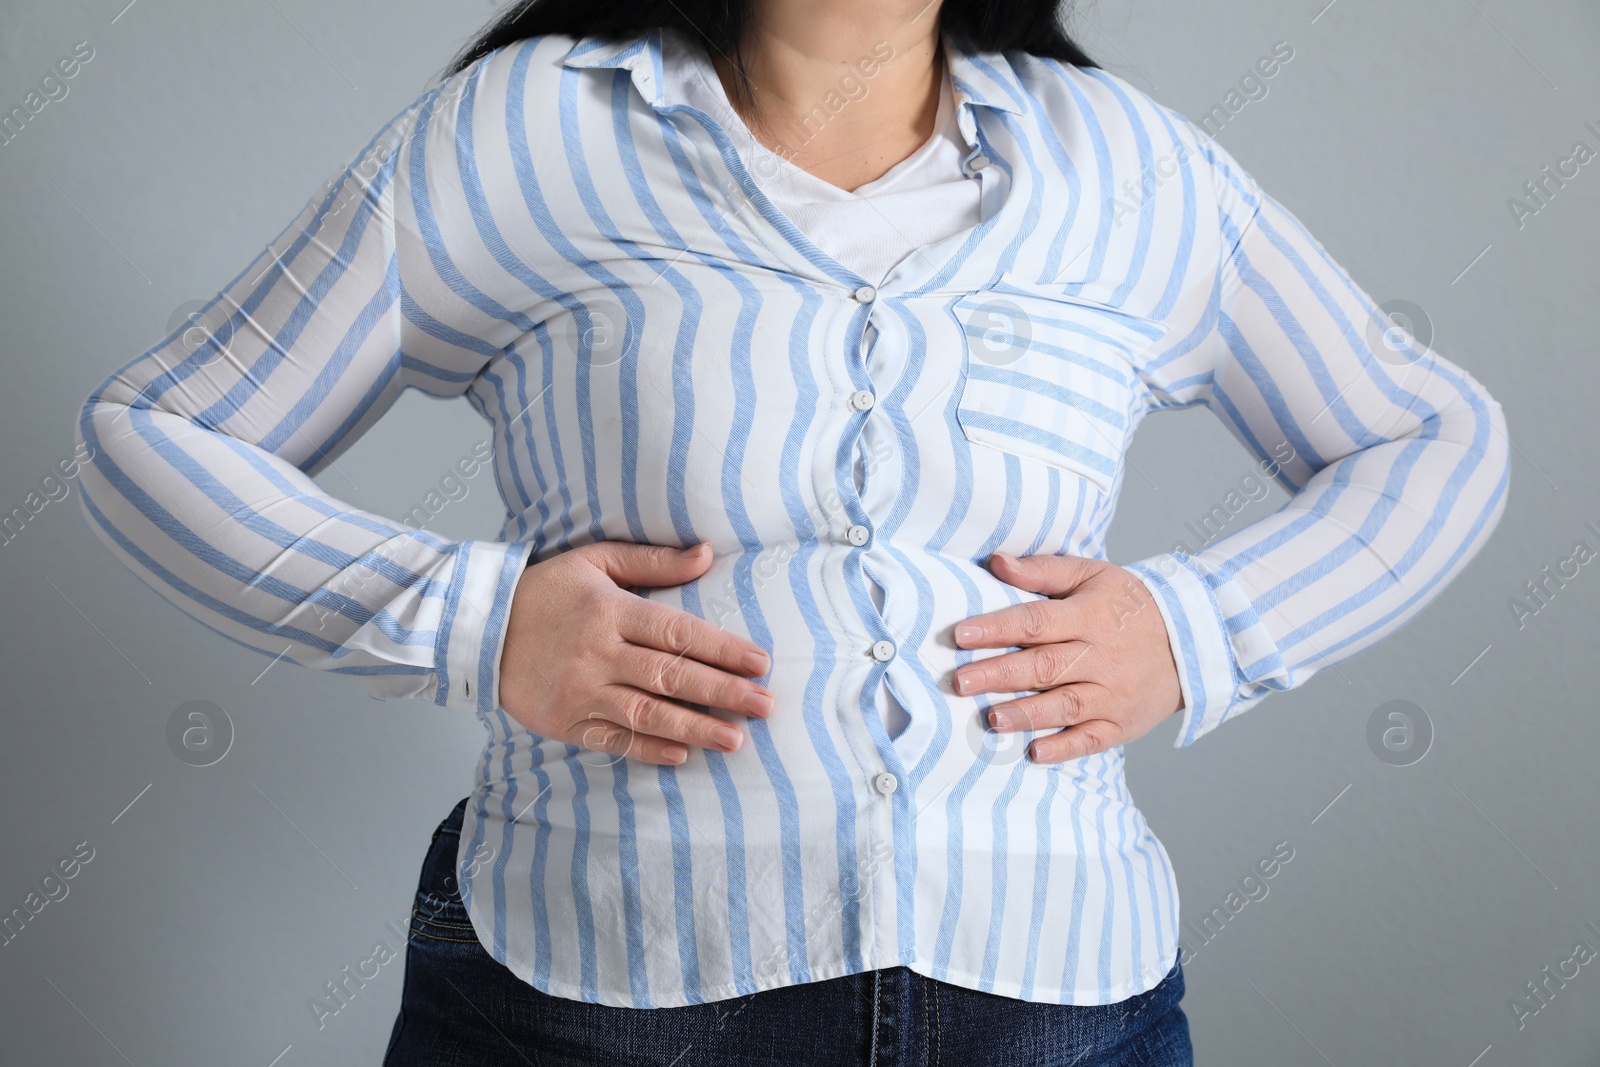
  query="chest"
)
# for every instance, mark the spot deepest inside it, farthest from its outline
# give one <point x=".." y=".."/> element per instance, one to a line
<point x="697" y="358"/>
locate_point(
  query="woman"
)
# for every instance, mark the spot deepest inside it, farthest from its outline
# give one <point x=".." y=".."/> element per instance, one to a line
<point x="813" y="334"/>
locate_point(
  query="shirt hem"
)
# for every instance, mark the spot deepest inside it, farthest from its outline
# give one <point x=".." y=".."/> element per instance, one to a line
<point x="731" y="991"/>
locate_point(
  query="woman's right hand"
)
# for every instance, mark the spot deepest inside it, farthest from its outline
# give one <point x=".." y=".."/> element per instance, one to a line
<point x="588" y="662"/>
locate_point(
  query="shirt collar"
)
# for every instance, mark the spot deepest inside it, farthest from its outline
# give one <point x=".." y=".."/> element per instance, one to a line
<point x="979" y="78"/>
<point x="641" y="55"/>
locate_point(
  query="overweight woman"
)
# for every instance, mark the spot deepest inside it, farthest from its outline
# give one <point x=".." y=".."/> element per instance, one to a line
<point x="812" y="335"/>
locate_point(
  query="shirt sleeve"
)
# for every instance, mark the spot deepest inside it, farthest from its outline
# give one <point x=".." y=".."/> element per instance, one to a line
<point x="204" y="447"/>
<point x="1397" y="458"/>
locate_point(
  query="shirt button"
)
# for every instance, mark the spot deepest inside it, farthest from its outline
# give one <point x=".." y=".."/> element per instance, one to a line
<point x="978" y="163"/>
<point x="860" y="535"/>
<point x="883" y="651"/>
<point x="862" y="400"/>
<point x="886" y="783"/>
<point x="865" y="295"/>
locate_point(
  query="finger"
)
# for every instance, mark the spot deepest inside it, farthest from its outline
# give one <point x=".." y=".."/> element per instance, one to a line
<point x="1048" y="574"/>
<point x="629" y="564"/>
<point x="646" y="713"/>
<point x="601" y="735"/>
<point x="1075" y="742"/>
<point x="1040" y="667"/>
<point x="652" y="625"/>
<point x="1064" y="705"/>
<point x="1035" y="622"/>
<point x="683" y="678"/>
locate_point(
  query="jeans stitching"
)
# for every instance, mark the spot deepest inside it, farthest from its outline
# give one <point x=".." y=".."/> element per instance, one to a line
<point x="872" y="1059"/>
<point x="436" y="937"/>
<point x="436" y="905"/>
<point x="927" y="1032"/>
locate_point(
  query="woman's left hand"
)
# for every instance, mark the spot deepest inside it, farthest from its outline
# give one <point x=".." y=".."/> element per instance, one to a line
<point x="1097" y="648"/>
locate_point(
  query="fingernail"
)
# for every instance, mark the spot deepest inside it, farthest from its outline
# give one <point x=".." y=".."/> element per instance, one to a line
<point x="728" y="739"/>
<point x="675" y="753"/>
<point x="756" y="663"/>
<point x="758" y="704"/>
<point x="999" y="720"/>
<point x="967" y="631"/>
<point x="692" y="551"/>
<point x="969" y="680"/>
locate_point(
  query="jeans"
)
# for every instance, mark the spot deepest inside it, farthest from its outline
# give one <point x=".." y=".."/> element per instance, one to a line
<point x="461" y="1007"/>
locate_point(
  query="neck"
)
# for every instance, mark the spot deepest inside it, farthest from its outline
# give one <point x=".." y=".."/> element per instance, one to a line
<point x="842" y="88"/>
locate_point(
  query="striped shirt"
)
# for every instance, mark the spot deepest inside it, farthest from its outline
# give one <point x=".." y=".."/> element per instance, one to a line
<point x="665" y="358"/>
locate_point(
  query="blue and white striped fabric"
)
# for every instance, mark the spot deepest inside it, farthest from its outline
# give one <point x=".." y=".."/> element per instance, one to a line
<point x="666" y="359"/>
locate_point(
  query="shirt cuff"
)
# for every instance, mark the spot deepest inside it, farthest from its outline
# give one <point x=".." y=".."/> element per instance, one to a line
<point x="472" y="626"/>
<point x="1208" y="671"/>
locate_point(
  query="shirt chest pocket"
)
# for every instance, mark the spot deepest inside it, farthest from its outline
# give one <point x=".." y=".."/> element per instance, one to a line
<point x="1050" y="376"/>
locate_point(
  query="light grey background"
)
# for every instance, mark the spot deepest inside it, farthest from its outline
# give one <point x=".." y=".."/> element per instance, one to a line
<point x="1416" y="906"/>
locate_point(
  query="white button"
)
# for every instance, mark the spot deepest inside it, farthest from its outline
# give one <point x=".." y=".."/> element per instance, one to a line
<point x="978" y="163"/>
<point x="860" y="535"/>
<point x="862" y="400"/>
<point x="883" y="650"/>
<point x="886" y="783"/>
<point x="865" y="295"/>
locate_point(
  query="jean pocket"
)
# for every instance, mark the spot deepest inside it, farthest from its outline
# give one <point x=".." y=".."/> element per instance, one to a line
<point x="438" y="911"/>
<point x="1049" y="376"/>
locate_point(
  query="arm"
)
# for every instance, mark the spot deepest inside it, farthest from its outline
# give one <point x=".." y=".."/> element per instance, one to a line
<point x="1398" y="460"/>
<point x="202" y="455"/>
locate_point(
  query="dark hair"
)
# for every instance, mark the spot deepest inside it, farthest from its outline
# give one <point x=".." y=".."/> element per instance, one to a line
<point x="1032" y="26"/>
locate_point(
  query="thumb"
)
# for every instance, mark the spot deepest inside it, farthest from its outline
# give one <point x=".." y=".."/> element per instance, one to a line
<point x="1051" y="575"/>
<point x="629" y="564"/>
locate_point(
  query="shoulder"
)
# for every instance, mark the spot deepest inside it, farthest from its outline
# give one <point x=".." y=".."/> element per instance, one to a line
<point x="516" y="83"/>
<point x="1106" y="103"/>
<point x="539" y="59"/>
<point x="1095" y="111"/>
<point x="521" y="77"/>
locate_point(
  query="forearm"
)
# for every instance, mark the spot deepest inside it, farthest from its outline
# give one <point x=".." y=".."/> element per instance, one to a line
<point x="203" y="459"/>
<point x="1397" y="457"/>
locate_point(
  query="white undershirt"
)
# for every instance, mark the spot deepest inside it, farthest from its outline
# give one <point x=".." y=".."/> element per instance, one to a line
<point x="924" y="198"/>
